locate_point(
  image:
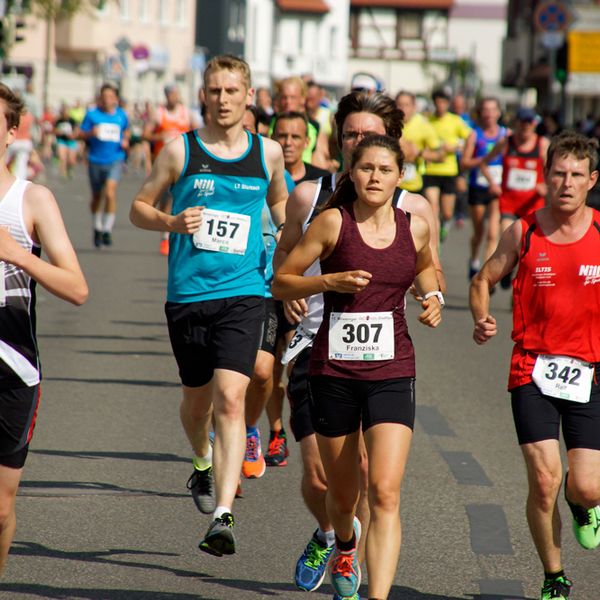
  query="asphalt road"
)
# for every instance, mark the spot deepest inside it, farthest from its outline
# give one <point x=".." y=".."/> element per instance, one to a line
<point x="103" y="512"/>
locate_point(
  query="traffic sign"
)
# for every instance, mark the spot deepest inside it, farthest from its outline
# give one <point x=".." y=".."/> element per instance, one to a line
<point x="552" y="16"/>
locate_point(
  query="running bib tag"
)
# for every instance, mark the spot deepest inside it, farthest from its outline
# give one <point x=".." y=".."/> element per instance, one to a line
<point x="223" y="232"/>
<point x="302" y="339"/>
<point x="2" y="284"/>
<point x="521" y="180"/>
<point x="563" y="377"/>
<point x="109" y="132"/>
<point x="361" y="336"/>
<point x="410" y="172"/>
<point x="495" y="172"/>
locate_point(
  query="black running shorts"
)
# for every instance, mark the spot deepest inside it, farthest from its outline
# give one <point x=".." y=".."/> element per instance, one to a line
<point x="18" y="410"/>
<point x="215" y="334"/>
<point x="538" y="417"/>
<point x="297" y="390"/>
<point x="446" y="183"/>
<point x="275" y="325"/>
<point x="339" y="405"/>
<point x="480" y="196"/>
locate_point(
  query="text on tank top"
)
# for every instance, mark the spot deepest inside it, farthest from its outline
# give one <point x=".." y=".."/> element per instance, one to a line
<point x="19" y="360"/>
<point x="381" y="304"/>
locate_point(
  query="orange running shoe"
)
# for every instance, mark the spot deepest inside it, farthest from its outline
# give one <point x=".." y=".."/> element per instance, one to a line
<point x="164" y="247"/>
<point x="254" y="465"/>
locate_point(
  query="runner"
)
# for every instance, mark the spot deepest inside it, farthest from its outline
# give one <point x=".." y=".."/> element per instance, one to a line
<point x="220" y="176"/>
<point x="358" y="115"/>
<point x="166" y="123"/>
<point x="29" y="221"/>
<point x="65" y="131"/>
<point x="439" y="184"/>
<point x="554" y="374"/>
<point x="362" y="364"/>
<point x="523" y="189"/>
<point x="290" y="129"/>
<point x="481" y="202"/>
<point x="106" y="129"/>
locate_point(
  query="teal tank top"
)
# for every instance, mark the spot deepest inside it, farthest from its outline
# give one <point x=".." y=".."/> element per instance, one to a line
<point x="237" y="189"/>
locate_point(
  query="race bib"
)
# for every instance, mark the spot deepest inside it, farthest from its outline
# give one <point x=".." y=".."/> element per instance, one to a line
<point x="223" y="232"/>
<point x="410" y="172"/>
<point x="302" y="339"/>
<point x="64" y="128"/>
<point x="495" y="172"/>
<point x="361" y="336"/>
<point x="521" y="180"/>
<point x="563" y="377"/>
<point x="108" y="132"/>
<point x="2" y="284"/>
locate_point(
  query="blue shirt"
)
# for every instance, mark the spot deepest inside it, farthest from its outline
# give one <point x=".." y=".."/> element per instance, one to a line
<point x="105" y="146"/>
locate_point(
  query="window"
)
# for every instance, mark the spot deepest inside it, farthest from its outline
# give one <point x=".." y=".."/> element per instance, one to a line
<point x="163" y="11"/>
<point x="410" y="25"/>
<point x="124" y="9"/>
<point x="143" y="11"/>
<point x="180" y="16"/>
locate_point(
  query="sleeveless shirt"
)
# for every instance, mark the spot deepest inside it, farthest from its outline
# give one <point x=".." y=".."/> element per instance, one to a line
<point x="385" y="293"/>
<point x="236" y="186"/>
<point x="556" y="299"/>
<point x="19" y="360"/>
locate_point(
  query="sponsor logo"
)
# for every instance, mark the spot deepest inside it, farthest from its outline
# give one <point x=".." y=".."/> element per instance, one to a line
<point x="205" y="187"/>
<point x="542" y="257"/>
<point x="543" y="276"/>
<point x="591" y="274"/>
<point x="204" y="169"/>
<point x="245" y="186"/>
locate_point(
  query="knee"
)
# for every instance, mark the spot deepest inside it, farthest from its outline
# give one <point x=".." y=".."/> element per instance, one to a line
<point x="263" y="373"/>
<point x="384" y="498"/>
<point x="544" y="487"/>
<point x="7" y="509"/>
<point x="584" y="492"/>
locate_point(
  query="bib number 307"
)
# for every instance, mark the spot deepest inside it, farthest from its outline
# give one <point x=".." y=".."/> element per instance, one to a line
<point x="223" y="231"/>
<point x="563" y="377"/>
<point x="361" y="336"/>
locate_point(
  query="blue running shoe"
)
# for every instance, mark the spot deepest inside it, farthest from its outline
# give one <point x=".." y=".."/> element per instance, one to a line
<point x="338" y="597"/>
<point x="311" y="566"/>
<point x="345" y="569"/>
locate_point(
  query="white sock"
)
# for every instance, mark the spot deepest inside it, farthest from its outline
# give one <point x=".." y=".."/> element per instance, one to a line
<point x="98" y="221"/>
<point x="327" y="537"/>
<point x="220" y="511"/>
<point x="108" y="222"/>
<point x="476" y="264"/>
<point x="203" y="462"/>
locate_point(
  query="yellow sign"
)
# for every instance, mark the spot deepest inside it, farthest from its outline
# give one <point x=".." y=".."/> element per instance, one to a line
<point x="584" y="52"/>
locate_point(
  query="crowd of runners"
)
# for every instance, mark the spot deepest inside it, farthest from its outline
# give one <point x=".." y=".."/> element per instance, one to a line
<point x="280" y="216"/>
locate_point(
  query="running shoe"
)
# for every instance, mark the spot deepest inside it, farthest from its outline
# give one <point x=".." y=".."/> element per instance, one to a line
<point x="586" y="523"/>
<point x="338" y="597"/>
<point x="444" y="231"/>
<point x="474" y="267"/>
<point x="254" y="465"/>
<point x="556" y="589"/>
<point x="163" y="248"/>
<point x="278" y="451"/>
<point x="107" y="238"/>
<point x="344" y="568"/>
<point x="201" y="485"/>
<point x="312" y="565"/>
<point x="219" y="538"/>
<point x="97" y="238"/>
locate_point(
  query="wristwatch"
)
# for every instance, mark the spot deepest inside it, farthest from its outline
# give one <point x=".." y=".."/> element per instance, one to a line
<point x="439" y="295"/>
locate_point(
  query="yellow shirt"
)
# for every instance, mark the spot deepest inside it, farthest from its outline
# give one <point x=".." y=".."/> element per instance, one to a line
<point x="450" y="129"/>
<point x="419" y="132"/>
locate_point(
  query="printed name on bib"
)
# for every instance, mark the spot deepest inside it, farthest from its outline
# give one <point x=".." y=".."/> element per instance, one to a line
<point x="223" y="231"/>
<point x="361" y="336"/>
<point x="109" y="132"/>
<point x="563" y="377"/>
<point x="521" y="180"/>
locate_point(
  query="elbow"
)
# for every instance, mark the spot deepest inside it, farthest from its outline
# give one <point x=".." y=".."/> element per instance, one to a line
<point x="80" y="295"/>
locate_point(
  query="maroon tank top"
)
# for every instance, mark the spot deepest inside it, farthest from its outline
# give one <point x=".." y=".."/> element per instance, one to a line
<point x="367" y="337"/>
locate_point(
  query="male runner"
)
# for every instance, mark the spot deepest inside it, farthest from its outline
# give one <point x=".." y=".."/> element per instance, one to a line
<point x="106" y="129"/>
<point x="220" y="176"/>
<point x="29" y="220"/>
<point x="359" y="114"/>
<point x="555" y="367"/>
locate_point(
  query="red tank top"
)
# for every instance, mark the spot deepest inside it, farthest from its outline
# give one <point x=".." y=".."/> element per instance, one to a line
<point x="556" y="299"/>
<point x="521" y="172"/>
<point x="393" y="270"/>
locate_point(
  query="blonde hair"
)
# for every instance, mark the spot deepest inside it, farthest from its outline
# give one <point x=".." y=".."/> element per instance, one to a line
<point x="229" y="62"/>
<point x="293" y="81"/>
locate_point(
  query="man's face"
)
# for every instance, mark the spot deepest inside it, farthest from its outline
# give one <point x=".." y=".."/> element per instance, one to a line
<point x="526" y="127"/>
<point x="313" y="98"/>
<point x="291" y="134"/>
<point x="109" y="99"/>
<point x="226" y="97"/>
<point x="290" y="98"/>
<point x="173" y="97"/>
<point x="441" y="105"/>
<point x="569" y="181"/>
<point x="407" y="105"/>
<point x="490" y="113"/>
<point x="355" y="128"/>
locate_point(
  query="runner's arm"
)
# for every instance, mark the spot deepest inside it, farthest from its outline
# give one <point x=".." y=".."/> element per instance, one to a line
<point x="277" y="193"/>
<point x="468" y="159"/>
<point x="61" y="275"/>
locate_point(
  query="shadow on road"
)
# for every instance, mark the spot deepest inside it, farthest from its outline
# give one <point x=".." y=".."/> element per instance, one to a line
<point x="90" y="336"/>
<point x="126" y="352"/>
<point x="85" y="488"/>
<point x="62" y="593"/>
<point x="103" y="381"/>
<point x="143" y="456"/>
<point x="141" y="323"/>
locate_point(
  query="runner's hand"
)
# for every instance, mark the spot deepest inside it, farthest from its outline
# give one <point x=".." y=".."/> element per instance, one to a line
<point x="484" y="329"/>
<point x="295" y="310"/>
<point x="432" y="312"/>
<point x="415" y="293"/>
<point x="9" y="247"/>
<point x="348" y="282"/>
<point x="188" y="220"/>
<point x="495" y="190"/>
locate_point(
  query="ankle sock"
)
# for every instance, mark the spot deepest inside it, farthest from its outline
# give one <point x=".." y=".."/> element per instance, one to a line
<point x="553" y="576"/>
<point x="346" y="546"/>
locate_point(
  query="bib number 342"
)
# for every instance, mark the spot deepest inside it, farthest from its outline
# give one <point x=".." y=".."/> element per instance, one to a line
<point x="223" y="231"/>
<point x="563" y="377"/>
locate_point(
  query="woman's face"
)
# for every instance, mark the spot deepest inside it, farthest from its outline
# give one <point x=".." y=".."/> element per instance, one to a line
<point x="375" y="175"/>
